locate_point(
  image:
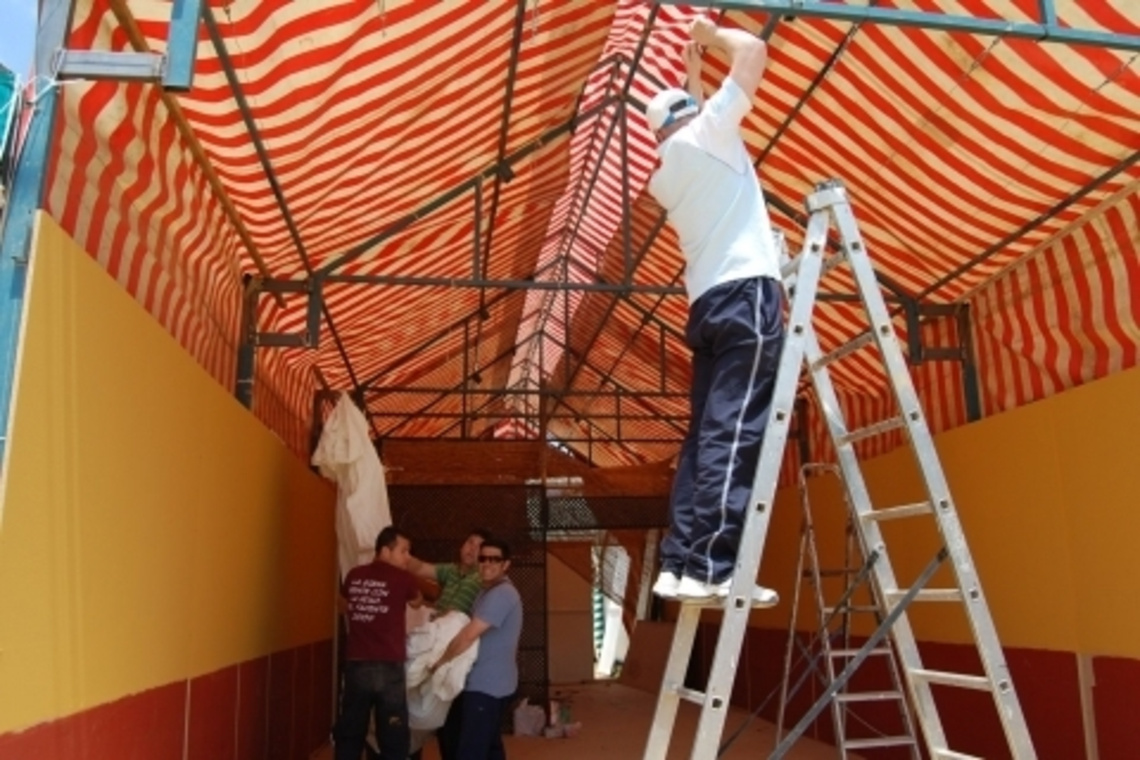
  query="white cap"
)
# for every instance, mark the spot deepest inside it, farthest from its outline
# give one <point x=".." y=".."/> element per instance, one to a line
<point x="669" y="105"/>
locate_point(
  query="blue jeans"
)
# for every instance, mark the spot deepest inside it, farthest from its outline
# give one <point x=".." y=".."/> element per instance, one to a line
<point x="736" y="333"/>
<point x="473" y="730"/>
<point x="373" y="688"/>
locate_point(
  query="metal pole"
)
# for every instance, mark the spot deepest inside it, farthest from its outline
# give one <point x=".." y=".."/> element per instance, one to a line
<point x="970" y="386"/>
<point x="247" y="348"/>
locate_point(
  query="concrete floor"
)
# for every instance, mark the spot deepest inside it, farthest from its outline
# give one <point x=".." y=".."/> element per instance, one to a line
<point x="615" y="724"/>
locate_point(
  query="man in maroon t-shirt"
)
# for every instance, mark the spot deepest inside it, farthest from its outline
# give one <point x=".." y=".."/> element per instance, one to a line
<point x="374" y="598"/>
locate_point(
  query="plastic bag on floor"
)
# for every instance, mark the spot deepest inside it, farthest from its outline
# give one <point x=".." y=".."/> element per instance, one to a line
<point x="529" y="719"/>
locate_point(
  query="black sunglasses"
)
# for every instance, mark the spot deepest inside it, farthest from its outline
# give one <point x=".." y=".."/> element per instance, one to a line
<point x="487" y="558"/>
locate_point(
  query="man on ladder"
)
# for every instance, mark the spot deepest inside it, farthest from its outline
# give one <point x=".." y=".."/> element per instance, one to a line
<point x="708" y="187"/>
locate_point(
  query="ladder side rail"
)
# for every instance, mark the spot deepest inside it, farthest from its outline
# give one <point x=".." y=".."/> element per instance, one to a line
<point x="757" y="519"/>
<point x="791" y="646"/>
<point x="668" y="700"/>
<point x="938" y="491"/>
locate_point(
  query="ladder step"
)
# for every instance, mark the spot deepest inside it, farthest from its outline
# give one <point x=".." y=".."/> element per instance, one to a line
<point x="961" y="680"/>
<point x="939" y="753"/>
<point x="878" y="741"/>
<point x="896" y="513"/>
<point x="854" y="652"/>
<point x="886" y="426"/>
<point x="690" y="695"/>
<point x="868" y="696"/>
<point x="925" y="595"/>
<point x="844" y="350"/>
<point x="790" y="267"/>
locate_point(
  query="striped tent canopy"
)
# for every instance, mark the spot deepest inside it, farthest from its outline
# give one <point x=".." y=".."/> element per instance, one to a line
<point x="456" y="192"/>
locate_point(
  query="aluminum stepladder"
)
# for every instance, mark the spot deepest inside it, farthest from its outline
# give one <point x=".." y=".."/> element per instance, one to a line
<point x="829" y="205"/>
<point x="810" y="572"/>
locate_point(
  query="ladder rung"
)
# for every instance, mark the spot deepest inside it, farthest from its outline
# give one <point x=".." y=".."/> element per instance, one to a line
<point x="868" y="696"/>
<point x="878" y="741"/>
<point x="886" y="426"/>
<point x="961" y="680"/>
<point x="854" y="652"/>
<point x="790" y="267"/>
<point x="843" y="350"/>
<point x="895" y="513"/>
<point x="925" y="595"/>
<point x="939" y="753"/>
<point x="690" y="695"/>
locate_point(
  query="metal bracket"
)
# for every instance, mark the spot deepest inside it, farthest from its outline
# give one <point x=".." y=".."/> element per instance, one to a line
<point x="174" y="70"/>
<point x="118" y="67"/>
<point x="827" y="193"/>
<point x="310" y="337"/>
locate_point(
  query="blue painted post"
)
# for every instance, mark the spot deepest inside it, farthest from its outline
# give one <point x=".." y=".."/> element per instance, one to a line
<point x="28" y="189"/>
<point x="182" y="45"/>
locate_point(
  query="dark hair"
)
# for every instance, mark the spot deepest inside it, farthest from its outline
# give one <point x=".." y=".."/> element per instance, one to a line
<point x="482" y="533"/>
<point x="388" y="538"/>
<point x="498" y="543"/>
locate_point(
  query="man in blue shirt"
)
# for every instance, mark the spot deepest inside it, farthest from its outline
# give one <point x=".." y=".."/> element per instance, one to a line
<point x="472" y="729"/>
<point x="708" y="187"/>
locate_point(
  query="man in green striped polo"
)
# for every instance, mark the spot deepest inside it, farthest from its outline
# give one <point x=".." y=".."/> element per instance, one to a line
<point x="459" y="582"/>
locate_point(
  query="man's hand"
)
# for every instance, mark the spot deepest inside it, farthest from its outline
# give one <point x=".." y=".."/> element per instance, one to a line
<point x="692" y="57"/>
<point x="703" y="31"/>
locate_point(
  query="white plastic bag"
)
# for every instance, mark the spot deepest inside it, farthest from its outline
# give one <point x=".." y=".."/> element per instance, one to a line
<point x="529" y="719"/>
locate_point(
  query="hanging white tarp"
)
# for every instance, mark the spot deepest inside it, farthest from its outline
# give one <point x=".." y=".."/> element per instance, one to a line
<point x="346" y="454"/>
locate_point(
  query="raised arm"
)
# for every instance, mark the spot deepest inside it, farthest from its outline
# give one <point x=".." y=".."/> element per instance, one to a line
<point x="421" y="569"/>
<point x="747" y="54"/>
<point x="692" y="56"/>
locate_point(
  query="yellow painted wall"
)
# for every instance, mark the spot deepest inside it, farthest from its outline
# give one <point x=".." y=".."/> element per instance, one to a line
<point x="151" y="529"/>
<point x="1049" y="495"/>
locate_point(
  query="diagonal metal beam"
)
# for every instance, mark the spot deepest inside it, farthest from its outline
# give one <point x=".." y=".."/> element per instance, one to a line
<point x="457" y="191"/>
<point x="1124" y="165"/>
<point x="504" y="131"/>
<point x="270" y="175"/>
<point x="810" y="90"/>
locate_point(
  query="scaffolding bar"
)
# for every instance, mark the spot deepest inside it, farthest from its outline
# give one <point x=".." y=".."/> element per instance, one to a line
<point x="941" y="22"/>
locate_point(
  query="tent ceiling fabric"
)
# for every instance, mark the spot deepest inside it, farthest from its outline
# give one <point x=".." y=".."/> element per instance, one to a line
<point x="382" y="129"/>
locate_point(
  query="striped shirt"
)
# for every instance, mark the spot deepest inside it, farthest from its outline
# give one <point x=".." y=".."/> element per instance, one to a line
<point x="457" y="589"/>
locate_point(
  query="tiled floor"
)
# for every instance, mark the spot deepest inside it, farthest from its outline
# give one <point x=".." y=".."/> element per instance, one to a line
<point x="615" y="724"/>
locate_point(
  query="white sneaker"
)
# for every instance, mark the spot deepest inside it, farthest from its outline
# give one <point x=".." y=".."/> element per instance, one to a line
<point x="666" y="585"/>
<point x="692" y="590"/>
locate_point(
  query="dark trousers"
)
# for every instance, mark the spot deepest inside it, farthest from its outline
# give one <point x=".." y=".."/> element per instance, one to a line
<point x="473" y="729"/>
<point x="373" y="688"/>
<point x="736" y="333"/>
